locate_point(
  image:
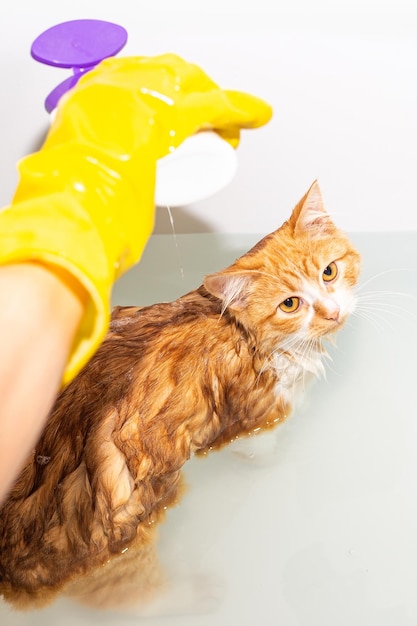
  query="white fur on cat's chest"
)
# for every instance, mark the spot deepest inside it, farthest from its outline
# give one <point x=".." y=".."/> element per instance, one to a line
<point x="293" y="372"/>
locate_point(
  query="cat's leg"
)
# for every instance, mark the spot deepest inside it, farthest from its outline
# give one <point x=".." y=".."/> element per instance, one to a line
<point x="133" y="583"/>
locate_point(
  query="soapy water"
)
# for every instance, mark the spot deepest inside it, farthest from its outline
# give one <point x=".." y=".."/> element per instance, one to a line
<point x="171" y="219"/>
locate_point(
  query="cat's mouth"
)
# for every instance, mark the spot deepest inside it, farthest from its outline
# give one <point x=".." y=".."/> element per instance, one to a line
<point x="325" y="327"/>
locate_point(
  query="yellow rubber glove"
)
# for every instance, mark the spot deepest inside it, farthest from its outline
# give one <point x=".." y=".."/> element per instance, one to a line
<point x="85" y="201"/>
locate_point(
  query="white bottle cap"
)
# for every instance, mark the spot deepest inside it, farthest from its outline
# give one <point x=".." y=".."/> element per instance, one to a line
<point x="201" y="166"/>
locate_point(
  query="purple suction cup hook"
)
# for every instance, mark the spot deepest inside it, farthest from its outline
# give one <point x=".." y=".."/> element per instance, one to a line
<point x="79" y="45"/>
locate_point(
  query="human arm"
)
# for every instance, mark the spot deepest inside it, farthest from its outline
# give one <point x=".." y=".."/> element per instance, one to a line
<point x="40" y="312"/>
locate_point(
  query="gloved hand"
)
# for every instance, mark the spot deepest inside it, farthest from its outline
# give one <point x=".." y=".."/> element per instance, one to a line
<point x="85" y="201"/>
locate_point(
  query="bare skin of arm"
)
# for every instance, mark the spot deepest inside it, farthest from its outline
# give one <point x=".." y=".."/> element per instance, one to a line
<point x="39" y="315"/>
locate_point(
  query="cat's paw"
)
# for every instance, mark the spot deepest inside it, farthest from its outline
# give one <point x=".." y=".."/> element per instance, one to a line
<point x="197" y="594"/>
<point x="258" y="451"/>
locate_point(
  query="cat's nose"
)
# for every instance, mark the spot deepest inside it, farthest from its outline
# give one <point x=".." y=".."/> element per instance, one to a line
<point x="333" y="314"/>
<point x="327" y="309"/>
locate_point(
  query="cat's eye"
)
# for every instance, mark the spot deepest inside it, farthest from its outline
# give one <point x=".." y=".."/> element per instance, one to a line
<point x="290" y="305"/>
<point x="330" y="272"/>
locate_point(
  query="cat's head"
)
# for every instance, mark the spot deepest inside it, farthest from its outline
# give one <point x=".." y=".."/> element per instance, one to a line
<point x="296" y="282"/>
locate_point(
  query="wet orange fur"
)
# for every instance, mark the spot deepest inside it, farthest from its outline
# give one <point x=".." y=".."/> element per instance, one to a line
<point x="170" y="380"/>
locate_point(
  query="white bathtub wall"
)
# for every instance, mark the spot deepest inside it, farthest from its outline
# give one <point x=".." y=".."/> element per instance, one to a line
<point x="340" y="75"/>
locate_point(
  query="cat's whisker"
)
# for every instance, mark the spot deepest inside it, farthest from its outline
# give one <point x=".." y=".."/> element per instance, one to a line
<point x="376" y="305"/>
<point x="389" y="309"/>
<point x="374" y="318"/>
<point x="308" y="350"/>
<point x="329" y="362"/>
<point x="379" y="274"/>
<point x="375" y="295"/>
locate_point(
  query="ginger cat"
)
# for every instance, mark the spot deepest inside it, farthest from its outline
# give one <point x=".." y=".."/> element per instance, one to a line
<point x="170" y="380"/>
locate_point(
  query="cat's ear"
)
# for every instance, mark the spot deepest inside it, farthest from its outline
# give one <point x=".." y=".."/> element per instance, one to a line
<point x="232" y="288"/>
<point x="310" y="215"/>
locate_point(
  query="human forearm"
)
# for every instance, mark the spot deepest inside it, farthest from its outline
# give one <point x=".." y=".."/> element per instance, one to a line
<point x="39" y="315"/>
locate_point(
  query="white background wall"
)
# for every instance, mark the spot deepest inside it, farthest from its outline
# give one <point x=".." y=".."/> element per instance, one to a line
<point x="341" y="77"/>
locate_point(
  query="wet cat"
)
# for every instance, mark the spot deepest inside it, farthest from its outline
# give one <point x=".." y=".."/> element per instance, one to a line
<point x="170" y="380"/>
